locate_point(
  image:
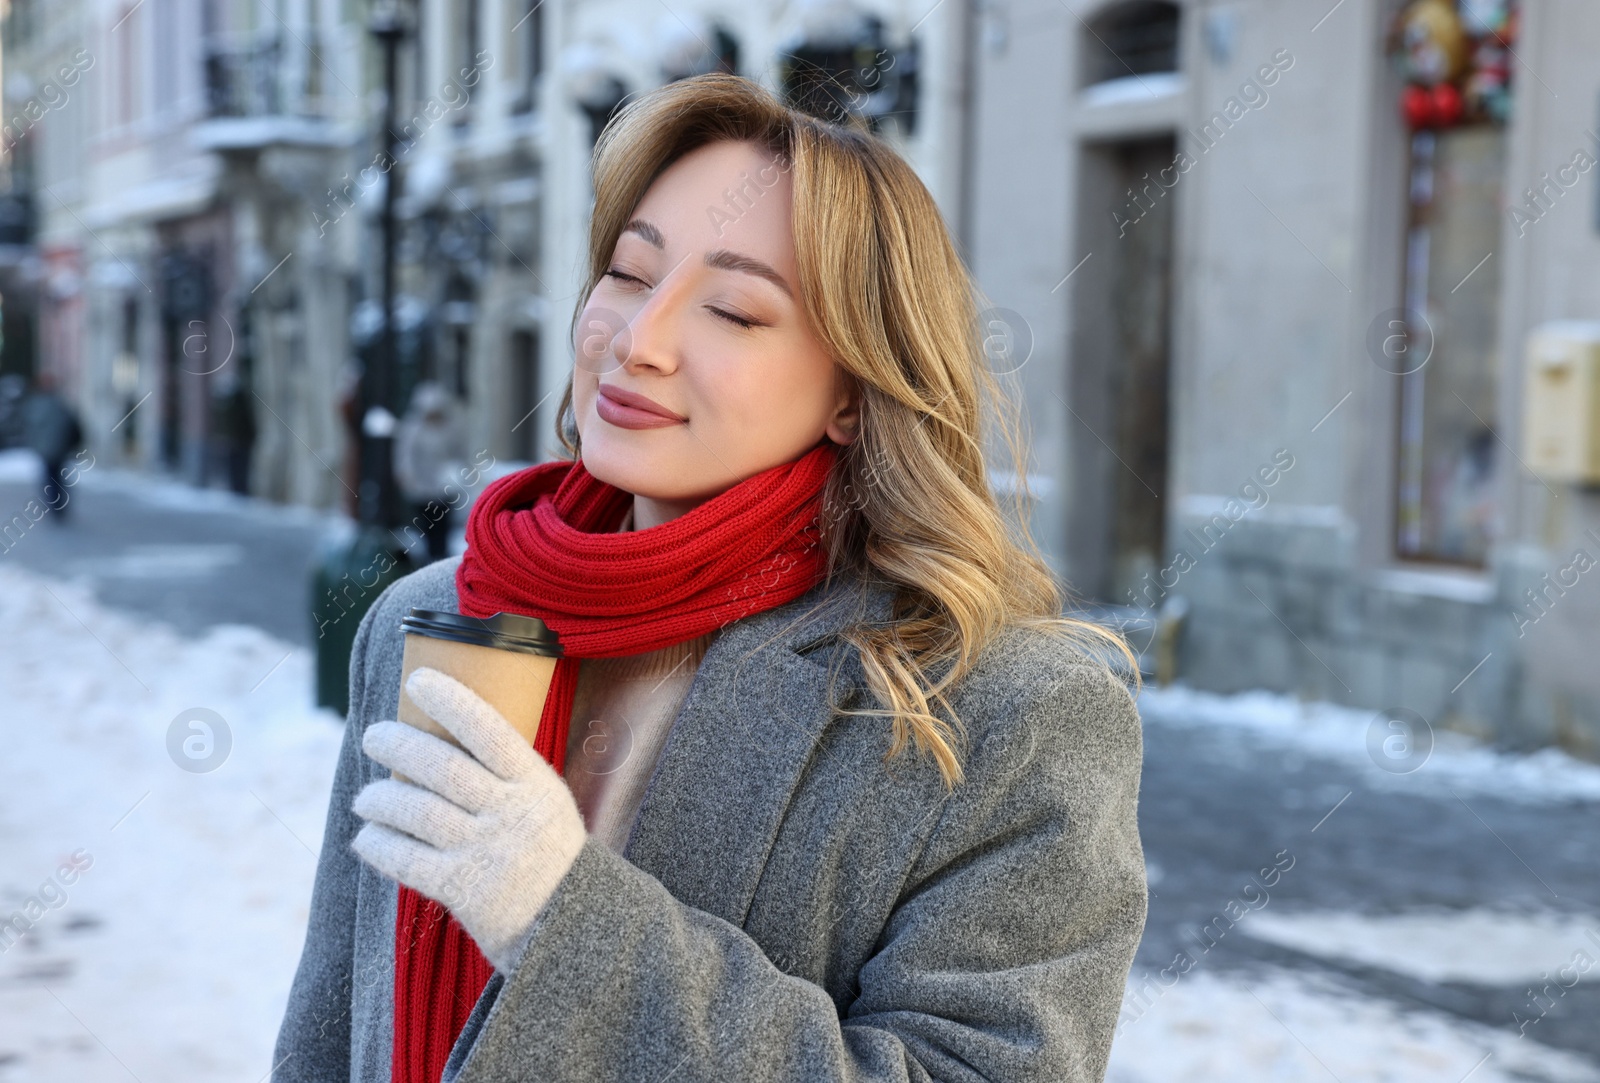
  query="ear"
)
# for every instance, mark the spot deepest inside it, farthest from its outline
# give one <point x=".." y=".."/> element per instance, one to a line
<point x="845" y="423"/>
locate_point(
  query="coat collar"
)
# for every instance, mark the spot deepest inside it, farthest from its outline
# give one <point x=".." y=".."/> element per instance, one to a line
<point x="757" y="706"/>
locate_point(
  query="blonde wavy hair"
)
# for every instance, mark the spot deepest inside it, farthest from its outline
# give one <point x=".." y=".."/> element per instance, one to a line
<point x="908" y="503"/>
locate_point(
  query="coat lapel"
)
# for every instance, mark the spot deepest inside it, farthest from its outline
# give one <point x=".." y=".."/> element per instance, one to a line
<point x="756" y="708"/>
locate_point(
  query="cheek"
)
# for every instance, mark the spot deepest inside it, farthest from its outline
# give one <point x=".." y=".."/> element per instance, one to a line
<point x="722" y="390"/>
<point x="776" y="397"/>
<point x="594" y="337"/>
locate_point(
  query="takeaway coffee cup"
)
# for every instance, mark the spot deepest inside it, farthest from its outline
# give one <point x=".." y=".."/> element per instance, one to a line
<point x="508" y="659"/>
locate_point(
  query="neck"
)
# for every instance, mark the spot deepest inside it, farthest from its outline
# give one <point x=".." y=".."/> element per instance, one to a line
<point x="649" y="511"/>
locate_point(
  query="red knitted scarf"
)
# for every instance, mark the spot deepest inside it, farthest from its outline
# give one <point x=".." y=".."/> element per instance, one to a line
<point x="541" y="542"/>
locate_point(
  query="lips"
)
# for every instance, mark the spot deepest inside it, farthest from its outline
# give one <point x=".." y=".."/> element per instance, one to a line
<point x="634" y="401"/>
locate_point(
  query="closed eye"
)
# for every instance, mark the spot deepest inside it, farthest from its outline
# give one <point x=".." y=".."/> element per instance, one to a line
<point x="730" y="317"/>
<point x="738" y="321"/>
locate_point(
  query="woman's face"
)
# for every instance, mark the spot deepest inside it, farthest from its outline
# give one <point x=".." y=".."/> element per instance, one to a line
<point x="700" y="311"/>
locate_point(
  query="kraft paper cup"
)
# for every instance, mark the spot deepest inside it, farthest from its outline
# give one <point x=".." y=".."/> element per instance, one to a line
<point x="508" y="659"/>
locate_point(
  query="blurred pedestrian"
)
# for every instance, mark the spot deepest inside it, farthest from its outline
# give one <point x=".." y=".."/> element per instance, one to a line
<point x="50" y="427"/>
<point x="429" y="444"/>
<point x="233" y="428"/>
<point x="347" y="401"/>
<point x="13" y="393"/>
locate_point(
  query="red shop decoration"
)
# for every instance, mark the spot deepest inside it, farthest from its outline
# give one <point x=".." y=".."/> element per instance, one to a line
<point x="1455" y="56"/>
<point x="1416" y="105"/>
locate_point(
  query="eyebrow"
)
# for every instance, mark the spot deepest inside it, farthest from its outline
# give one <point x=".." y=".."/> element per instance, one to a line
<point x="720" y="259"/>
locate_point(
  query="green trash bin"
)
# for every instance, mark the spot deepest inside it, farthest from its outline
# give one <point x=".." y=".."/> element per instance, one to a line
<point x="351" y="570"/>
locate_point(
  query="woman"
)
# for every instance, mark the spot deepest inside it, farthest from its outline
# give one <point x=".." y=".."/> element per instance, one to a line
<point x="776" y="566"/>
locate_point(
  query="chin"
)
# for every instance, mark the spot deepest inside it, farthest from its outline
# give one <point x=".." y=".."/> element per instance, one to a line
<point x="632" y="469"/>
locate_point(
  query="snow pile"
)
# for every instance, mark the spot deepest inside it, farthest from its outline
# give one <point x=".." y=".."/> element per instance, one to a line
<point x="171" y="954"/>
<point x="1482" y="946"/>
<point x="19" y="466"/>
<point x="1278" y="1027"/>
<point x="1457" y="762"/>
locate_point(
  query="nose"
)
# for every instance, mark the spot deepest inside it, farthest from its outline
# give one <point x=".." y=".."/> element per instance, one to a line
<point x="650" y="338"/>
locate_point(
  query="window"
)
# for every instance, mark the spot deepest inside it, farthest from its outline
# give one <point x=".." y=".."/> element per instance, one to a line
<point x="167" y="45"/>
<point x="526" y="46"/>
<point x="1448" y="403"/>
<point x="468" y="39"/>
<point x="1457" y="102"/>
<point x="127" y="32"/>
<point x="524" y="396"/>
<point x="850" y="72"/>
<point x="1131" y="39"/>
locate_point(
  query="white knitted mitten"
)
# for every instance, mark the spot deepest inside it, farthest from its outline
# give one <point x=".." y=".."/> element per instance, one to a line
<point x="487" y="834"/>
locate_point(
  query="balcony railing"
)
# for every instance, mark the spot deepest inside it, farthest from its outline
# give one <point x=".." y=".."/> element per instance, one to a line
<point x="268" y="77"/>
<point x="243" y="80"/>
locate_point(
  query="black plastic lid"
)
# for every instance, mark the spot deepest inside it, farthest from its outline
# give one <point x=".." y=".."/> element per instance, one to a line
<point x="504" y="631"/>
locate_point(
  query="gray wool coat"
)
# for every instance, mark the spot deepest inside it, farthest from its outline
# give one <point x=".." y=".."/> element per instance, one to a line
<point x="788" y="906"/>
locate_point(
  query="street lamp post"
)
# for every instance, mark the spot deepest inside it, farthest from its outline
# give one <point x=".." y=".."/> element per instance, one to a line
<point x="378" y="497"/>
<point x="353" y="568"/>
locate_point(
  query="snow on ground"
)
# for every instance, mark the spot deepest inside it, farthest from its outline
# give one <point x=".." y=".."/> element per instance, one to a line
<point x="1487" y="947"/>
<point x="170" y="956"/>
<point x="1456" y="763"/>
<point x="160" y="560"/>
<point x="1286" y="1028"/>
<point x="19" y="465"/>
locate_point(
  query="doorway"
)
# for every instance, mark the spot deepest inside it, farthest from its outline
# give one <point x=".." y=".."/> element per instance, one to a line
<point x="1119" y="379"/>
<point x="524" y="396"/>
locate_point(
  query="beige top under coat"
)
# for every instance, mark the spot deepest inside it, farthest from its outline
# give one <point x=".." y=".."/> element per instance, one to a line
<point x="622" y="713"/>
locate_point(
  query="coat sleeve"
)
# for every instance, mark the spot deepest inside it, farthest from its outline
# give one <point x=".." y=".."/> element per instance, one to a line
<point x="1004" y="958"/>
<point x="314" y="1038"/>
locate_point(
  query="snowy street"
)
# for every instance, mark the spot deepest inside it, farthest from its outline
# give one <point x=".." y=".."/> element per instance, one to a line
<point x="1313" y="916"/>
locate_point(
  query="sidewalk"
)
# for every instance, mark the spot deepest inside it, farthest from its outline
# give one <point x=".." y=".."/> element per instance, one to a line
<point x="170" y="954"/>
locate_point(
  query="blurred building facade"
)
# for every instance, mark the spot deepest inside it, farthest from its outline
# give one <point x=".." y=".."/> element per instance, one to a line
<point x="1263" y="271"/>
<point x="190" y="304"/>
<point x="208" y="199"/>
<point x="1278" y="265"/>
